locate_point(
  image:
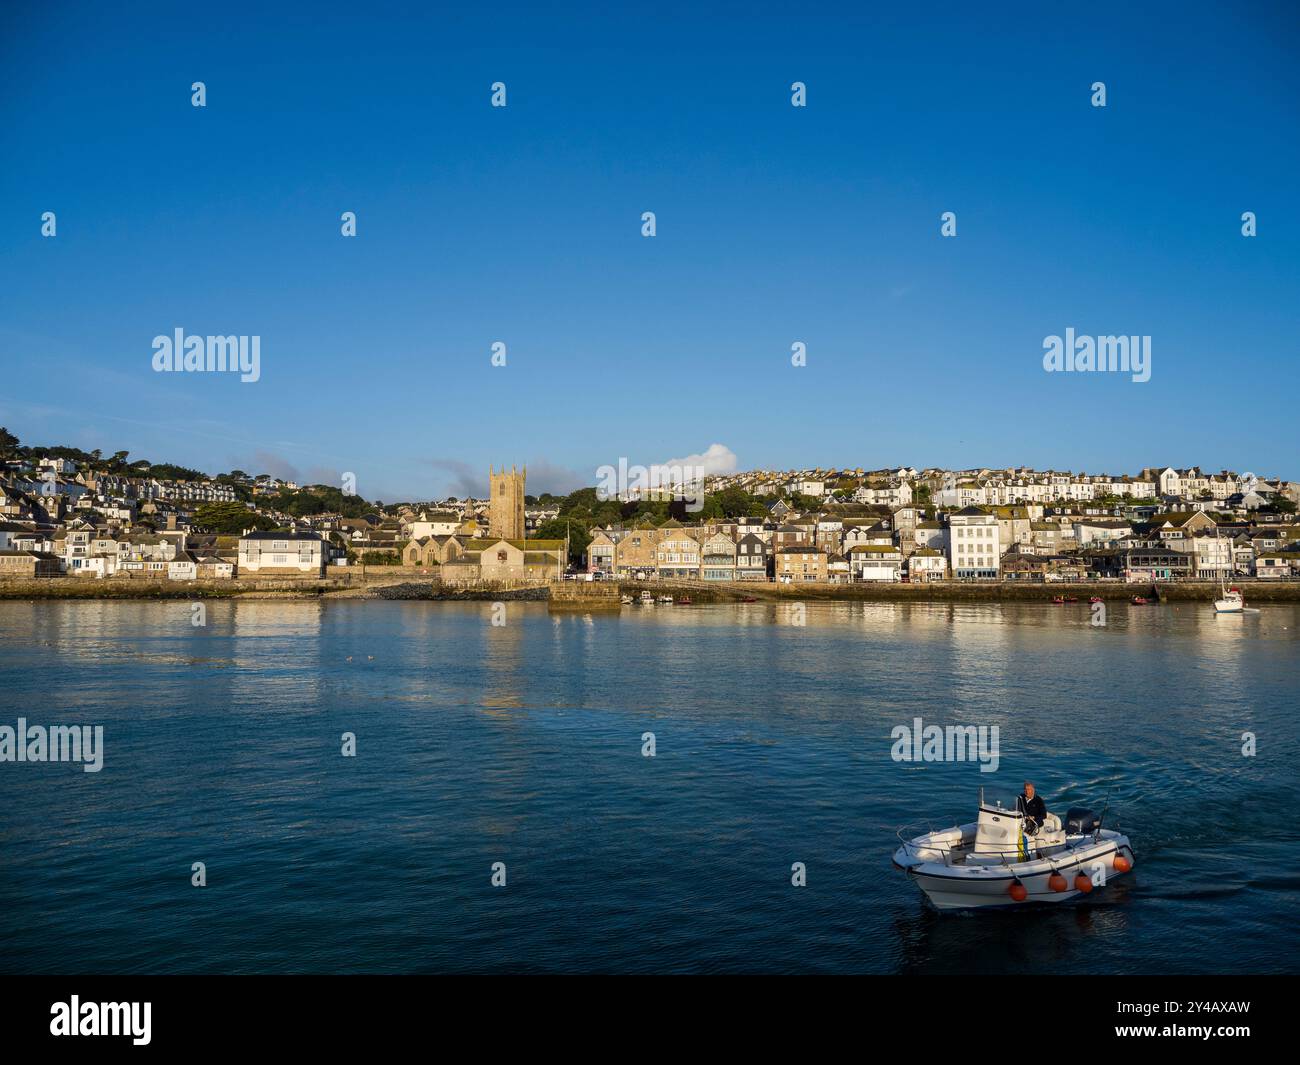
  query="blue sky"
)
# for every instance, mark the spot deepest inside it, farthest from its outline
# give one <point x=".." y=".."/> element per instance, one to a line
<point x="775" y="224"/>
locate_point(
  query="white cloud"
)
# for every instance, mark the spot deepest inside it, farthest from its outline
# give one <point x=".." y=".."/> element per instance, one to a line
<point x="716" y="459"/>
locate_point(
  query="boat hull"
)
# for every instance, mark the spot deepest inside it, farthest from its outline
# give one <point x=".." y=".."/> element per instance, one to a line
<point x="960" y="887"/>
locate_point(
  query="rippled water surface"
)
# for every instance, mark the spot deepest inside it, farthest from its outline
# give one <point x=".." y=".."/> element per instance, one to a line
<point x="522" y="744"/>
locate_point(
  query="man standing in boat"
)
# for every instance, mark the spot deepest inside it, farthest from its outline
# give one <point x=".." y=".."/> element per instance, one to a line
<point x="1033" y="807"/>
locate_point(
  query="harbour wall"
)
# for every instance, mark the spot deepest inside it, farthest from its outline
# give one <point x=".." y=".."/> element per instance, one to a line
<point x="582" y="596"/>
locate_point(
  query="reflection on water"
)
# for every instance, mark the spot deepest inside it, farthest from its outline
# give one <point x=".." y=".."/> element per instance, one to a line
<point x="521" y="742"/>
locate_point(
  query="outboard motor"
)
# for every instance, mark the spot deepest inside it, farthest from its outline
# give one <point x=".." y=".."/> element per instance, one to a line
<point x="1079" y="822"/>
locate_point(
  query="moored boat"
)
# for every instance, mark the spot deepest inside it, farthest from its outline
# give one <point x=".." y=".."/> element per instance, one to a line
<point x="1232" y="602"/>
<point x="1001" y="860"/>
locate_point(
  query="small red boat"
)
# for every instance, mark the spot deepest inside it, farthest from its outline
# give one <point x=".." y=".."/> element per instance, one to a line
<point x="683" y="600"/>
<point x="748" y="599"/>
<point x="1140" y="600"/>
<point x="1065" y="599"/>
<point x="1094" y="599"/>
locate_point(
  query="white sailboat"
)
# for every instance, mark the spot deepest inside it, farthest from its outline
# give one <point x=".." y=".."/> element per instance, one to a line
<point x="1230" y="600"/>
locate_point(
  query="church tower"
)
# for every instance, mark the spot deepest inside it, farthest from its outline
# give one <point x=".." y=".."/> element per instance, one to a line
<point x="506" y="506"/>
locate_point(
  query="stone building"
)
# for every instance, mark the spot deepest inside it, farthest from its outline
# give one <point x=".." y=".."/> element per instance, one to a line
<point x="506" y="503"/>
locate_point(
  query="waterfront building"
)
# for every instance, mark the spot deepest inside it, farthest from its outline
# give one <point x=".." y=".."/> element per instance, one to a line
<point x="974" y="547"/>
<point x="718" y="558"/>
<point x="875" y="562"/>
<point x="800" y="564"/>
<point x="282" y="553"/>
<point x="499" y="559"/>
<point x="926" y="564"/>
<point x="677" y="554"/>
<point x="601" y="552"/>
<point x="753" y="556"/>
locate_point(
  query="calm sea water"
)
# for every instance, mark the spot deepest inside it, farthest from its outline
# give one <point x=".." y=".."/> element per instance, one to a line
<point x="522" y="744"/>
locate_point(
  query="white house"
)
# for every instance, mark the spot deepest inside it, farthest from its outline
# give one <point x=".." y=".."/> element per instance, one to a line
<point x="184" y="567"/>
<point x="930" y="534"/>
<point x="926" y="564"/>
<point x="1212" y="557"/>
<point x="875" y="562"/>
<point x="897" y="494"/>
<point x="974" y="548"/>
<point x="98" y="566"/>
<point x="1094" y="530"/>
<point x="280" y="553"/>
<point x="437" y="524"/>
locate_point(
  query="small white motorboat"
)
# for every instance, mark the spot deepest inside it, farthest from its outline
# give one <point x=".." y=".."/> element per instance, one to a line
<point x="625" y="599"/>
<point x="996" y="862"/>
<point x="665" y="599"/>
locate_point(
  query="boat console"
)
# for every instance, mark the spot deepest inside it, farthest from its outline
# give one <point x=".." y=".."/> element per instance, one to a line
<point x="1001" y="833"/>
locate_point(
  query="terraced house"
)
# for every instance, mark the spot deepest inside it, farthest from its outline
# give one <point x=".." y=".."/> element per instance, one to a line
<point x="753" y="558"/>
<point x="678" y="554"/>
<point x="718" y="558"/>
<point x="801" y="564"/>
<point x="638" y="551"/>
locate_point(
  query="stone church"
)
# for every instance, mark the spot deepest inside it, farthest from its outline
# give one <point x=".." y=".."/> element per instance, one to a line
<point x="506" y="503"/>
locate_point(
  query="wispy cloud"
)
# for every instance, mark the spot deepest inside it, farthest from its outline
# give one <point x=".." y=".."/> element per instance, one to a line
<point x="462" y="479"/>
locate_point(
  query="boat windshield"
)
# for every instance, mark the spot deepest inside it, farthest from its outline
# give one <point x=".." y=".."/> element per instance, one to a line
<point x="999" y="798"/>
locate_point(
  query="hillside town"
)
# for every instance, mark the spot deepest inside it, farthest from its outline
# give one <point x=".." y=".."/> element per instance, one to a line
<point x="60" y="517"/>
<point x="909" y="525"/>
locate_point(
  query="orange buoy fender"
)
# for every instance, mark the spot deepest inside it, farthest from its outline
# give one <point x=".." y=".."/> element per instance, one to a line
<point x="1122" y="864"/>
<point x="1018" y="891"/>
<point x="1056" y="882"/>
<point x="1083" y="883"/>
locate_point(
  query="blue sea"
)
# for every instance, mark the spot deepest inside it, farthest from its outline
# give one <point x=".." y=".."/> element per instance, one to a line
<point x="523" y="743"/>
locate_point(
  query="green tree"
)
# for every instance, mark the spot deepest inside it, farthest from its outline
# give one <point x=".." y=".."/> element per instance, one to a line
<point x="578" y="531"/>
<point x="230" y="518"/>
<point x="381" y="558"/>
